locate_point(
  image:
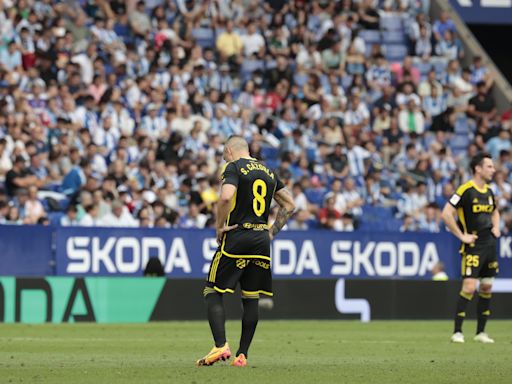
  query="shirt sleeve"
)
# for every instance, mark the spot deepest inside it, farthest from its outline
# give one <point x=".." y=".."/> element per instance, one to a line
<point x="230" y="175"/>
<point x="279" y="183"/>
<point x="457" y="197"/>
<point x="493" y="198"/>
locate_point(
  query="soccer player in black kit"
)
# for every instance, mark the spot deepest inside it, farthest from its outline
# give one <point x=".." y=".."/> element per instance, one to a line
<point x="244" y="236"/>
<point x="478" y="227"/>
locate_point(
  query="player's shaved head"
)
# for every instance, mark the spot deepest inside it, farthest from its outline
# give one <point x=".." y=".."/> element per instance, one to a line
<point x="235" y="147"/>
<point x="237" y="143"/>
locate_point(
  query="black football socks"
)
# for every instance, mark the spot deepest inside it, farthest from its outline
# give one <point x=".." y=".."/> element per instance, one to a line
<point x="483" y="311"/>
<point x="462" y="303"/>
<point x="249" y="323"/>
<point x="216" y="317"/>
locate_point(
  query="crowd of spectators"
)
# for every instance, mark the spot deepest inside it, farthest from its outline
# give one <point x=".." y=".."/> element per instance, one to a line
<point x="113" y="113"/>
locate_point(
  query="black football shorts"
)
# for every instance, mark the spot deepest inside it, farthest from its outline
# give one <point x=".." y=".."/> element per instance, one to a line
<point x="253" y="274"/>
<point x="480" y="260"/>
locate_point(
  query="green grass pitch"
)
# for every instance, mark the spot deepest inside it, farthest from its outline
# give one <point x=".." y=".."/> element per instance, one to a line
<point x="283" y="352"/>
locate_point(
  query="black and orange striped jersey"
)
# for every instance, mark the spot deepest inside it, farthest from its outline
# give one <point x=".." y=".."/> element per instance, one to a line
<point x="474" y="209"/>
<point x="255" y="187"/>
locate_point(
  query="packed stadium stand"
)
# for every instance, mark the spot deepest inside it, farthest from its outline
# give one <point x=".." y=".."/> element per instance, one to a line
<point x="113" y="113"/>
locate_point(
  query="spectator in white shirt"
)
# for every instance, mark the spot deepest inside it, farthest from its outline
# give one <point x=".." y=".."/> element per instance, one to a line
<point x="194" y="218"/>
<point x="90" y="219"/>
<point x="34" y="210"/>
<point x="430" y="220"/>
<point x="378" y="75"/>
<point x="356" y="156"/>
<point x="444" y="163"/>
<point x="353" y="198"/>
<point x="502" y="190"/>
<point x="121" y="119"/>
<point x="407" y="94"/>
<point x="301" y="202"/>
<point x="309" y="57"/>
<point x="411" y="120"/>
<point x="357" y="117"/>
<point x="152" y="124"/>
<point x="119" y="217"/>
<point x="340" y="202"/>
<point x="253" y="42"/>
<point x="70" y="218"/>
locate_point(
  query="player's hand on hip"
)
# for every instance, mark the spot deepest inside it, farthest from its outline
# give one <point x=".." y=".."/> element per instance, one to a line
<point x="468" y="238"/>
<point x="223" y="230"/>
<point x="496" y="232"/>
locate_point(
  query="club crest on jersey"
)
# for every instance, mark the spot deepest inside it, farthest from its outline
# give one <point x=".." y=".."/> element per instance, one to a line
<point x="490" y="200"/>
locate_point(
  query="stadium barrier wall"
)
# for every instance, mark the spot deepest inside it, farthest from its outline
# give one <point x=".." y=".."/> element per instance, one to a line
<point x="484" y="11"/>
<point x="26" y="250"/>
<point x="139" y="300"/>
<point x="73" y="251"/>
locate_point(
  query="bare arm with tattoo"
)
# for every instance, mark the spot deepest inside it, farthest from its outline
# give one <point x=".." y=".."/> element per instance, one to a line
<point x="286" y="208"/>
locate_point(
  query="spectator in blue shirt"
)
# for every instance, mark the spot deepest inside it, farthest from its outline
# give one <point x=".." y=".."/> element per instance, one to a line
<point x="445" y="23"/>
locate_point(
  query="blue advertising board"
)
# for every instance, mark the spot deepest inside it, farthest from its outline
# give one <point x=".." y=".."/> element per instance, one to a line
<point x="26" y="250"/>
<point x="295" y="254"/>
<point x="74" y="251"/>
<point x="484" y="11"/>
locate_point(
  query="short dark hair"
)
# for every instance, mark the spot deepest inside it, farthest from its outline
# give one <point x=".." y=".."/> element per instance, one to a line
<point x="478" y="160"/>
<point x="480" y="84"/>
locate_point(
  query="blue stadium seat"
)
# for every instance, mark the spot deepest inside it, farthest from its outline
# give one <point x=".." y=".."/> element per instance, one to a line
<point x="459" y="151"/>
<point x="346" y="81"/>
<point x="204" y="37"/>
<point x="424" y="67"/>
<point x="370" y="36"/>
<point x="272" y="164"/>
<point x="395" y="52"/>
<point x="440" y="66"/>
<point x="249" y="66"/>
<point x="63" y="204"/>
<point x="55" y="217"/>
<point x="393" y="225"/>
<point x="461" y="126"/>
<point x="391" y="23"/>
<point x="364" y="227"/>
<point x="394" y="37"/>
<point x="269" y="64"/>
<point x="377" y="218"/>
<point x="315" y="196"/>
<point x="313" y="224"/>
<point x="300" y="78"/>
<point x="460" y="141"/>
<point x="377" y="213"/>
<point x="270" y="153"/>
<point x="311" y="154"/>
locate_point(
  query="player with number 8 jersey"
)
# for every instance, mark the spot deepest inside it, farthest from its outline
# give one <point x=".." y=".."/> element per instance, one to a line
<point x="256" y="185"/>
<point x="243" y="235"/>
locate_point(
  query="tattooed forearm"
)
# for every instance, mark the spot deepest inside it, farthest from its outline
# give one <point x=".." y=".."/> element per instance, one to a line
<point x="286" y="208"/>
<point x="282" y="217"/>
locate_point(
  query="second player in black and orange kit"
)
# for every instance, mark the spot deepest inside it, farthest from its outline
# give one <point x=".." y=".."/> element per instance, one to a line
<point x="243" y="235"/>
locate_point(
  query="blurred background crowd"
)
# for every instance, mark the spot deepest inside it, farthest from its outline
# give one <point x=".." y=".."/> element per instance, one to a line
<point x="113" y="113"/>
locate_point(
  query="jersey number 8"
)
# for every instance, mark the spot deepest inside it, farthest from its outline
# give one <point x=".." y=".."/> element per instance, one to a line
<point x="259" y="190"/>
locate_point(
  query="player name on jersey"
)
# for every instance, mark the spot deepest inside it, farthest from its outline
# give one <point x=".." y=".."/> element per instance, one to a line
<point x="256" y="167"/>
